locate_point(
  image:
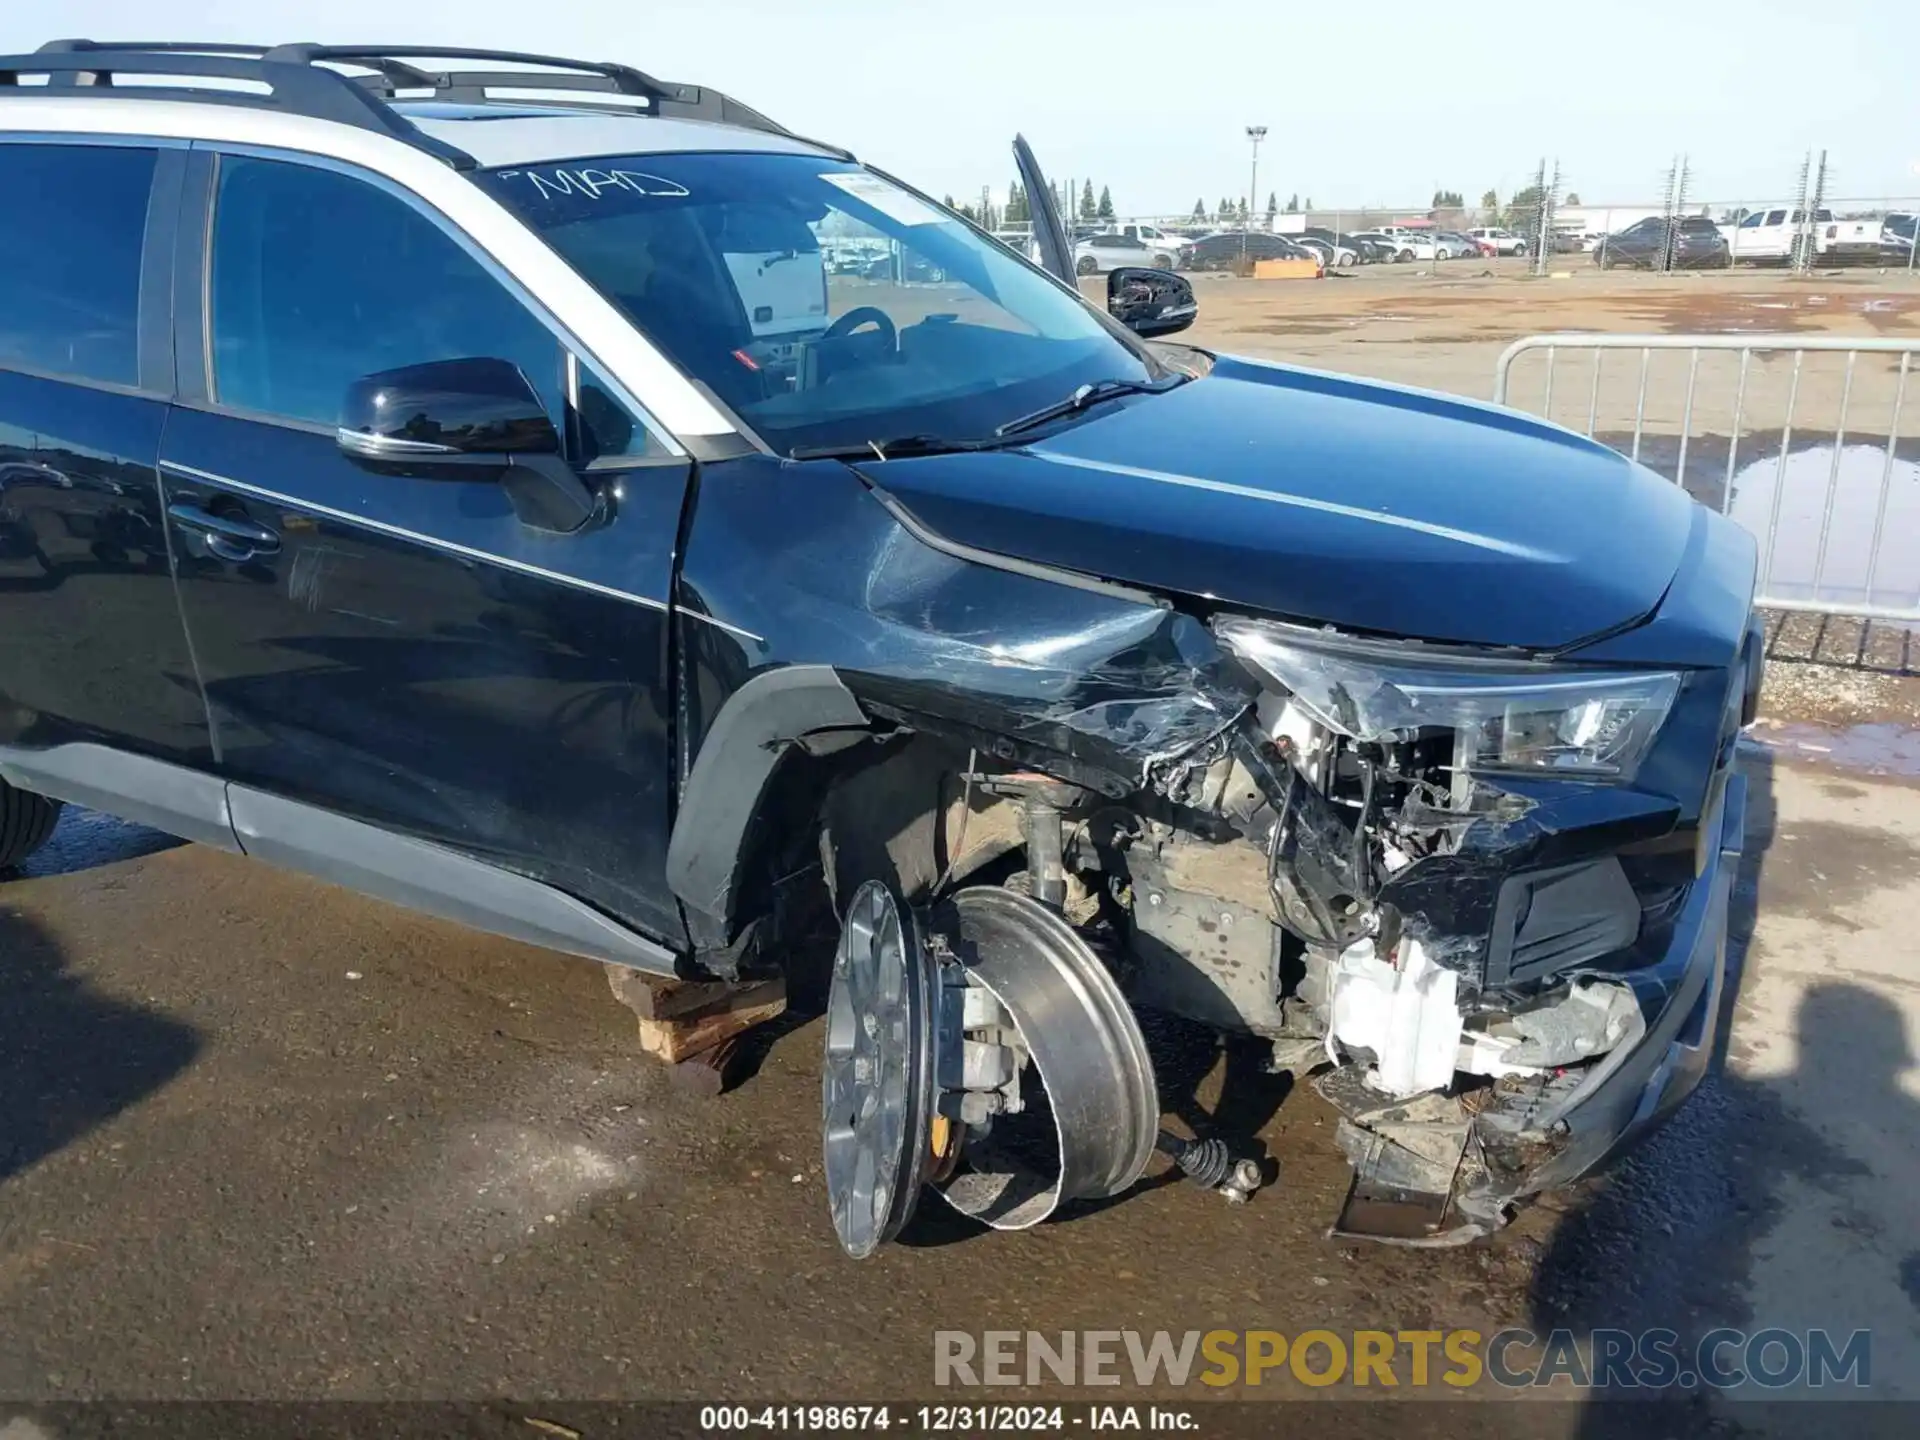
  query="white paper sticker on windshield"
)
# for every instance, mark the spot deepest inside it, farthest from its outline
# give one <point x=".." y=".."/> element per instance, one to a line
<point x="889" y="200"/>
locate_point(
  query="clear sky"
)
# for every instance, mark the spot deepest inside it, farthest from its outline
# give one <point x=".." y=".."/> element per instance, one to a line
<point x="1367" y="101"/>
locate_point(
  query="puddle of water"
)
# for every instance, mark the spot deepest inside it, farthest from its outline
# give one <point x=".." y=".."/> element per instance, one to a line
<point x="1879" y="749"/>
<point x="1848" y="490"/>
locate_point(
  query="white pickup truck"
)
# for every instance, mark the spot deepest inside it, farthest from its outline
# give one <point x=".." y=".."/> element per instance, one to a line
<point x="1768" y="236"/>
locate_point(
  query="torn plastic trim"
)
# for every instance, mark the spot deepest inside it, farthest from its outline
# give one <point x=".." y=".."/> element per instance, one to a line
<point x="1411" y="1189"/>
<point x="1328" y="888"/>
<point x="1101" y="690"/>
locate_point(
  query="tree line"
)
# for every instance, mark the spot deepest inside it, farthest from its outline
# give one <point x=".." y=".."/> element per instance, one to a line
<point x="1520" y="212"/>
<point x="1018" y="210"/>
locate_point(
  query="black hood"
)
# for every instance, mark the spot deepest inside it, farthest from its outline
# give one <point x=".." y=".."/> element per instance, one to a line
<point x="1321" y="498"/>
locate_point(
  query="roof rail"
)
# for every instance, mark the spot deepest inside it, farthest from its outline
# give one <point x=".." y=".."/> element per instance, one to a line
<point x="301" y="80"/>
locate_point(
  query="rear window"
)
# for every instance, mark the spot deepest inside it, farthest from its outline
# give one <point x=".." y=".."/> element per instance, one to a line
<point x="70" y="259"/>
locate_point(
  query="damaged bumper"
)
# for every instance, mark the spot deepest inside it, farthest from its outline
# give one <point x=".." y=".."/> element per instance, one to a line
<point x="1680" y="1000"/>
<point x="1438" y="1169"/>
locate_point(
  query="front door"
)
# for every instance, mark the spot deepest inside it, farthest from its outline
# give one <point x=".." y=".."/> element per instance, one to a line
<point x="401" y="649"/>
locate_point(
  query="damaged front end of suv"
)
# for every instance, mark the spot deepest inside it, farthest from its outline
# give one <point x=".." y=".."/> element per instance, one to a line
<point x="1477" y="892"/>
<point x="1502" y="953"/>
<point x="1393" y="731"/>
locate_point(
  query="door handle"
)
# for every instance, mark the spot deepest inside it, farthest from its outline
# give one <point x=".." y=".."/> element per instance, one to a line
<point x="231" y="537"/>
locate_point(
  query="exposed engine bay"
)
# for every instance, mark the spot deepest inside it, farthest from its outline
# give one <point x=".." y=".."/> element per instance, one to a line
<point x="1456" y="955"/>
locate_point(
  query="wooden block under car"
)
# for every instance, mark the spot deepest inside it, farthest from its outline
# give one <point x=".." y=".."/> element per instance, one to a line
<point x="681" y="1018"/>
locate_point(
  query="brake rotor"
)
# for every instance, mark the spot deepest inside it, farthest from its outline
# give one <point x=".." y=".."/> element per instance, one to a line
<point x="877" y="1083"/>
<point x="1089" y="1131"/>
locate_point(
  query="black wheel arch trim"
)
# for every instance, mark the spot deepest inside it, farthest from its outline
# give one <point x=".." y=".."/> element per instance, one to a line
<point x="757" y="726"/>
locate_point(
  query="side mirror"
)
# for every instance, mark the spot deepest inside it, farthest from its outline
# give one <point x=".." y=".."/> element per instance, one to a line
<point x="477" y="419"/>
<point x="1150" y="302"/>
<point x="447" y="412"/>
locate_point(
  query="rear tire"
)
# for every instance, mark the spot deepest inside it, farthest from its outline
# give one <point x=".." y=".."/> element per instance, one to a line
<point x="26" y="820"/>
<point x="1087" y="265"/>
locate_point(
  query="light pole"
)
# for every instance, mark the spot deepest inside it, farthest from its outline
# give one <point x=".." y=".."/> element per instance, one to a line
<point x="1255" y="133"/>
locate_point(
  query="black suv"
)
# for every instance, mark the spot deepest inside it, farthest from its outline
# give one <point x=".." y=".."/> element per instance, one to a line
<point x="1686" y="242"/>
<point x="616" y="522"/>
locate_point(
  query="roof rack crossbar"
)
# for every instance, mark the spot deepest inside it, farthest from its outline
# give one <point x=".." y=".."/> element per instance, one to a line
<point x="300" y="79"/>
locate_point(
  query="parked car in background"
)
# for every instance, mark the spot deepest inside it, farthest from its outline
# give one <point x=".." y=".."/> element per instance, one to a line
<point x="1693" y="241"/>
<point x="1897" y="238"/>
<point x="1225" y="250"/>
<point x="1398" y="249"/>
<point x="1441" y="245"/>
<point x="1098" y="253"/>
<point x="1335" y="238"/>
<point x="1504" y="242"/>
<point x="1333" y="256"/>
<point x="1152" y="235"/>
<point x="1768" y="236"/>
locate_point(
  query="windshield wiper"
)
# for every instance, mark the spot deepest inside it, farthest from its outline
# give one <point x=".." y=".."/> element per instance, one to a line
<point x="1085" y="396"/>
<point x="888" y="449"/>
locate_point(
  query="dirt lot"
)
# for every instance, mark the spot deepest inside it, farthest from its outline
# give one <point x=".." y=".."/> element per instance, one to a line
<point x="1443" y="327"/>
<point x="262" y="1138"/>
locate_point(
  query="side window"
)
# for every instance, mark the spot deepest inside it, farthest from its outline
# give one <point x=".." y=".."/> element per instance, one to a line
<point x="1754" y="220"/>
<point x="70" y="258"/>
<point x="1776" y="217"/>
<point x="320" y="278"/>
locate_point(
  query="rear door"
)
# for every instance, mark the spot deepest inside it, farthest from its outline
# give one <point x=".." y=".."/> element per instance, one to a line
<point x="398" y="649"/>
<point x="91" y="645"/>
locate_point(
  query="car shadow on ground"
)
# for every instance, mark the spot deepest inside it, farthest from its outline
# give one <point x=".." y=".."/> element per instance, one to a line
<point x="71" y="1058"/>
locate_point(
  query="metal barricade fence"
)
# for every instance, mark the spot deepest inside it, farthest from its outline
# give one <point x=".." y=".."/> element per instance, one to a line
<point x="1834" y="505"/>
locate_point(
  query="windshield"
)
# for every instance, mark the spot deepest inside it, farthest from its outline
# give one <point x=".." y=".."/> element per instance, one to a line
<point x="824" y="304"/>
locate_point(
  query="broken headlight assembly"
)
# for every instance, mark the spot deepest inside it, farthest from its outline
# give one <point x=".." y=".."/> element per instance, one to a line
<point x="1508" y="716"/>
